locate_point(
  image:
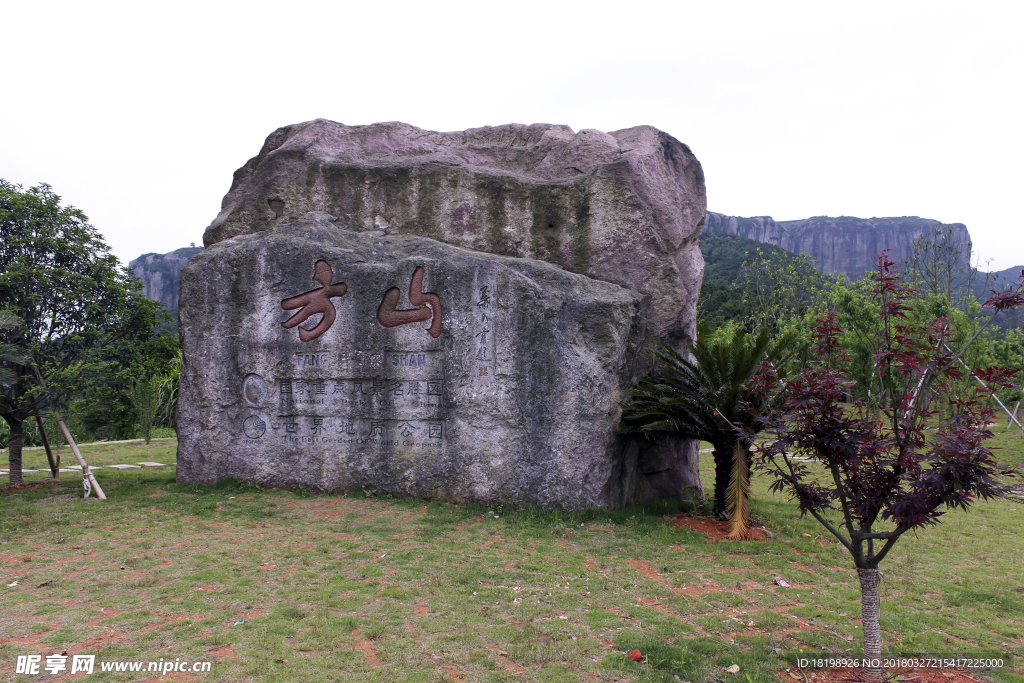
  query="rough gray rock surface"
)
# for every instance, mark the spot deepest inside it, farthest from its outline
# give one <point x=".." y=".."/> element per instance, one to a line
<point x="515" y="401"/>
<point x="624" y="207"/>
<point x="843" y="245"/>
<point x="161" y="273"/>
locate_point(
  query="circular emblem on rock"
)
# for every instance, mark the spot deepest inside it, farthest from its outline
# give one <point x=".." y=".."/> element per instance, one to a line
<point x="254" y="427"/>
<point x="254" y="389"/>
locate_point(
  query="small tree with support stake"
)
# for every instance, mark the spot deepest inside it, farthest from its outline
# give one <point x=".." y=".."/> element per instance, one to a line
<point x="880" y="468"/>
<point x="72" y="299"/>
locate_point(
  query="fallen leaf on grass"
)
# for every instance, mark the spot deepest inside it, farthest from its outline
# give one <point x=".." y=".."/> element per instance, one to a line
<point x="734" y="669"/>
<point x="635" y="655"/>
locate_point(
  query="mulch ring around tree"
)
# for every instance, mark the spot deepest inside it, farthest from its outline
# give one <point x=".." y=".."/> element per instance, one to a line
<point x="28" y="486"/>
<point x="717" y="530"/>
<point x="898" y="675"/>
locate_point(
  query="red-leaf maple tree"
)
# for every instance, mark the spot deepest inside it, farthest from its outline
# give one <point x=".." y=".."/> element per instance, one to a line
<point x="870" y="472"/>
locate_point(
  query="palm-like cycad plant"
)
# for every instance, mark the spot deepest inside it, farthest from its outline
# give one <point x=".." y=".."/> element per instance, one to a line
<point x="709" y="397"/>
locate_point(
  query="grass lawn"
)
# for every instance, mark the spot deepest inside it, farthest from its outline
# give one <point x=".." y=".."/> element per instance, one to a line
<point x="282" y="586"/>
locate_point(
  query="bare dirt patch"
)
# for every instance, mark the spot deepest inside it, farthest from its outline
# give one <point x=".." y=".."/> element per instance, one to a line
<point x="371" y="657"/>
<point x="223" y="652"/>
<point x="715" y="530"/>
<point x="29" y="485"/>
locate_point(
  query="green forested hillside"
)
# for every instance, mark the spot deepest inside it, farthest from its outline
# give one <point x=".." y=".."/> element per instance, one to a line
<point x="729" y="289"/>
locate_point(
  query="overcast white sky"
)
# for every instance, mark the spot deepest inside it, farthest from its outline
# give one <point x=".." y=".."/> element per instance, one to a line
<point x="139" y="113"/>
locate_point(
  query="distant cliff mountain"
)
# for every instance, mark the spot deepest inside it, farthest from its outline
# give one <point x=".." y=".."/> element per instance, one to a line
<point x="161" y="274"/>
<point x="845" y="245"/>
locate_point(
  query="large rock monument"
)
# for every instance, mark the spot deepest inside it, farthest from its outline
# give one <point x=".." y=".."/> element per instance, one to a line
<point x="446" y="315"/>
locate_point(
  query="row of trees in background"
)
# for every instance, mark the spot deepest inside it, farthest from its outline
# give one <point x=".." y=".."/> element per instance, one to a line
<point x="70" y="308"/>
<point x="757" y="287"/>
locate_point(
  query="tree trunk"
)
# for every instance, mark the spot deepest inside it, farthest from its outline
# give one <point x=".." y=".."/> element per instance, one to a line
<point x="723" y="455"/>
<point x="14" y="453"/>
<point x="869" y="611"/>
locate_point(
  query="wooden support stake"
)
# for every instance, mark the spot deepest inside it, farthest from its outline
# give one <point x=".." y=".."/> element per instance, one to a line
<point x="1012" y="416"/>
<point x="87" y="474"/>
<point x="54" y="465"/>
<point x="1005" y="409"/>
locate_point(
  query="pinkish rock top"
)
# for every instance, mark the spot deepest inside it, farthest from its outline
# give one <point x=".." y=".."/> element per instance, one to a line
<point x="625" y="207"/>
